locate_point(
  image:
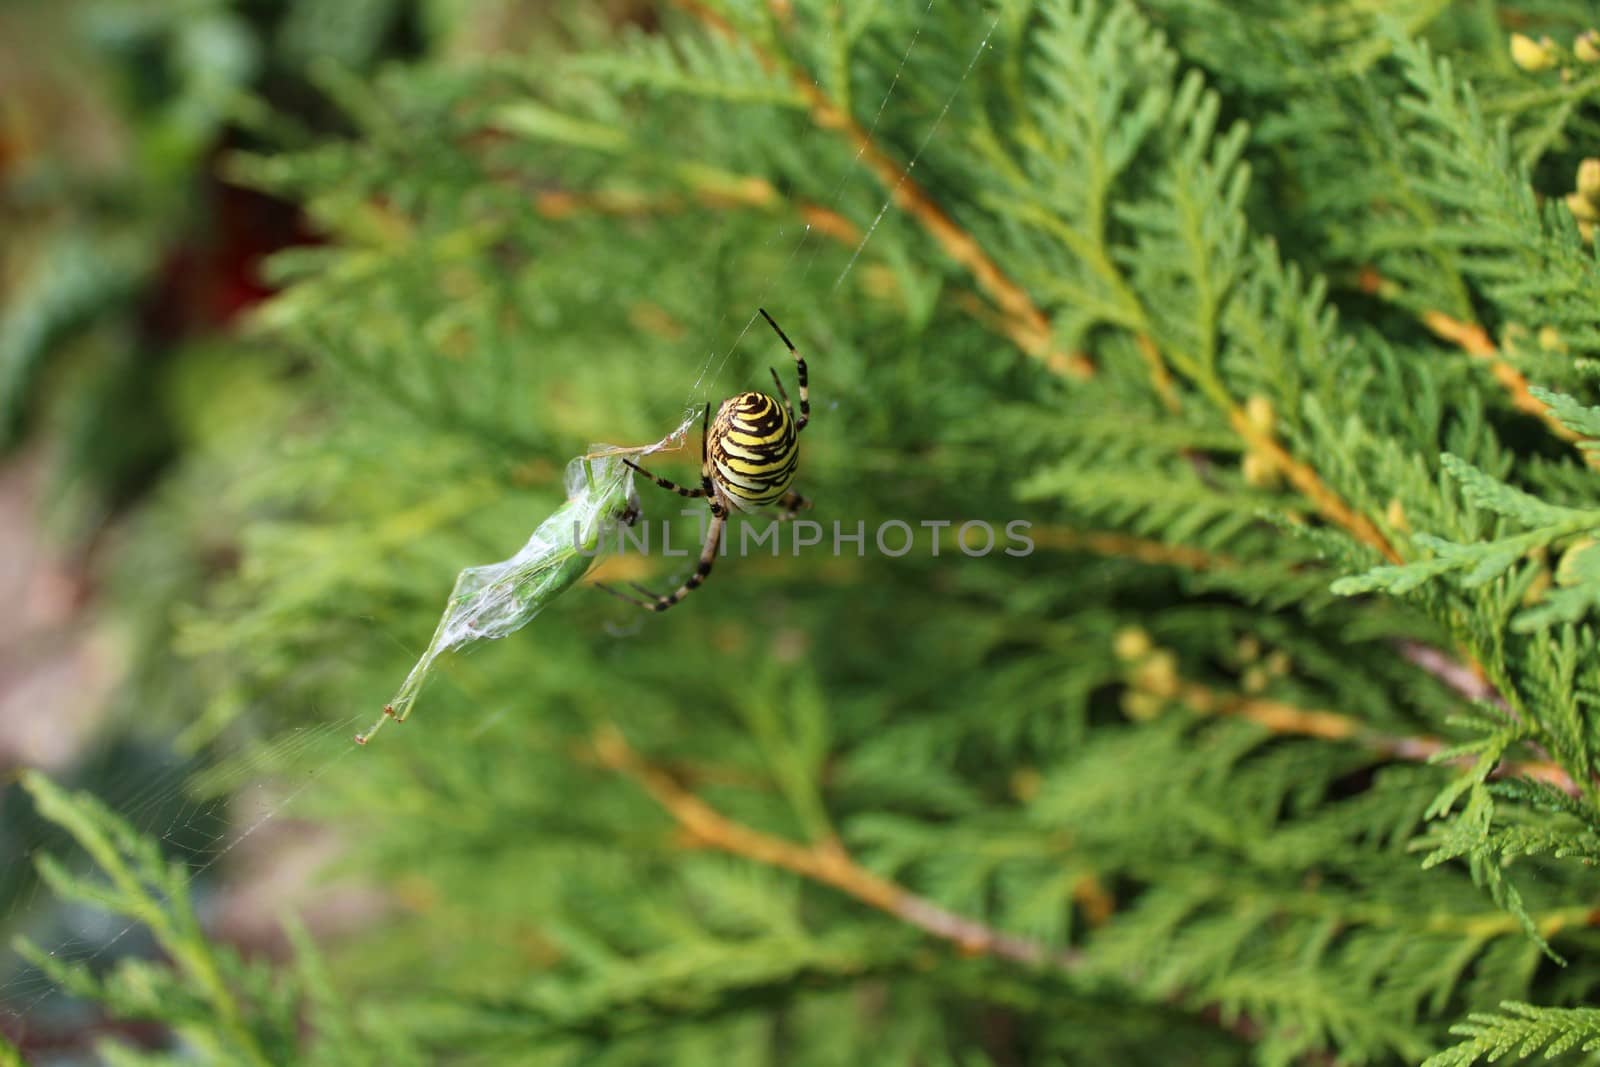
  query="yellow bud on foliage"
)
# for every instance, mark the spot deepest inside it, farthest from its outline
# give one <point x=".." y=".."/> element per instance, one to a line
<point x="1141" y="707"/>
<point x="1566" y="570"/>
<point x="1130" y="643"/>
<point x="1260" y="472"/>
<point x="1258" y="409"/>
<point x="1158" y="675"/>
<point x="1589" y="180"/>
<point x="1532" y="56"/>
<point x="1536" y="590"/>
<point x="1587" y="46"/>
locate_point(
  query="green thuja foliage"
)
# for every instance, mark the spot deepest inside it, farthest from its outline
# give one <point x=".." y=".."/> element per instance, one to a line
<point x="223" y="1008"/>
<point x="1276" y="323"/>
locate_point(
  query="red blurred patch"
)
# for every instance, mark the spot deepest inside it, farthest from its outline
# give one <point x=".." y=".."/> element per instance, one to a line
<point x="212" y="274"/>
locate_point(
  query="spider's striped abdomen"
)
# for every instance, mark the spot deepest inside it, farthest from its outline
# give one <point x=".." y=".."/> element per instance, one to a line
<point x="753" y="449"/>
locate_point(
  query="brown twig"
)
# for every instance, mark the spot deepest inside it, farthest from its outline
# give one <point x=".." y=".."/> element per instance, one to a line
<point x="825" y="862"/>
<point x="742" y="192"/>
<point x="756" y="193"/>
<point x="1474" y="340"/>
<point x="1305" y="478"/>
<point x="1022" y="321"/>
<point x="1122" y="546"/>
<point x="1464" y="677"/>
<point x="1160" y="376"/>
<point x="1283" y="718"/>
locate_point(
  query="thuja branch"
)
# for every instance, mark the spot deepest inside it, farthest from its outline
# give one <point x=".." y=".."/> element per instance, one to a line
<point x="719" y="189"/>
<point x="1466" y="679"/>
<point x="1474" y="340"/>
<point x="1255" y="428"/>
<point x="1021" y="319"/>
<point x="1305" y="478"/>
<point x="825" y="862"/>
<point x="743" y="192"/>
<point x="1153" y="675"/>
<point x="1160" y="376"/>
<point x="1125" y="546"/>
<point x="1284" y="718"/>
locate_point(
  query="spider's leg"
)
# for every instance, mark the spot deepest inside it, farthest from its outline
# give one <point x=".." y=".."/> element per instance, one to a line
<point x="646" y="604"/>
<point x="708" y="556"/>
<point x="663" y="483"/>
<point x="646" y="599"/>
<point x="791" y="503"/>
<point x="799" y="370"/>
<point x="782" y="392"/>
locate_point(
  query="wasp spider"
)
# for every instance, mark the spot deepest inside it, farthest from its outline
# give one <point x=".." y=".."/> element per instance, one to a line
<point x="748" y="455"/>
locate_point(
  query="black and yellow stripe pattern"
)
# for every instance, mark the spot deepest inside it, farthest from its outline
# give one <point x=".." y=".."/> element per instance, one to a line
<point x="754" y="450"/>
<point x="748" y="457"/>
